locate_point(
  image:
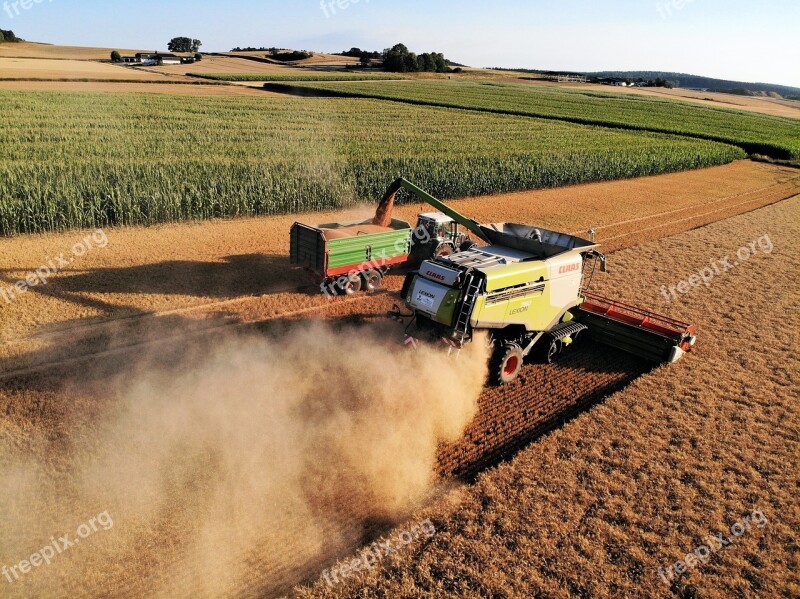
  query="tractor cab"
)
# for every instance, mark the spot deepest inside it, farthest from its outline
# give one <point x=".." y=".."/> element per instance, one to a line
<point x="437" y="225"/>
<point x="438" y="235"/>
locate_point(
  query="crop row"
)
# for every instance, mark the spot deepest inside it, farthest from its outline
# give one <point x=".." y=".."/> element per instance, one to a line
<point x="755" y="133"/>
<point x="300" y="77"/>
<point x="84" y="160"/>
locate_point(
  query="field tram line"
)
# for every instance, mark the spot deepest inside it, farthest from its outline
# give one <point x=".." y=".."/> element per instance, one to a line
<point x="778" y="196"/>
<point x="199" y="332"/>
<point x="98" y="328"/>
<point x="793" y="180"/>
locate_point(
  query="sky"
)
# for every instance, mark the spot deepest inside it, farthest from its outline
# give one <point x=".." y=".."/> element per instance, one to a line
<point x="742" y="40"/>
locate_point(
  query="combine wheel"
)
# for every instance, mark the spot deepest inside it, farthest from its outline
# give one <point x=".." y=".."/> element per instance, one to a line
<point x="351" y="286"/>
<point x="506" y="363"/>
<point x="444" y="249"/>
<point x="373" y="279"/>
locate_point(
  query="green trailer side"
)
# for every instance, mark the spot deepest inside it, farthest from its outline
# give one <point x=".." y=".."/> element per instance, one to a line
<point x="332" y="258"/>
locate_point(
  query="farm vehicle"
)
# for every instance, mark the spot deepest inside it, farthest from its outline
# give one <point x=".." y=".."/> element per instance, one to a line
<point x="348" y="257"/>
<point x="528" y="288"/>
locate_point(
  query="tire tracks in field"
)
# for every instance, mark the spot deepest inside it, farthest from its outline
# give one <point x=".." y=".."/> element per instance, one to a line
<point x="780" y="191"/>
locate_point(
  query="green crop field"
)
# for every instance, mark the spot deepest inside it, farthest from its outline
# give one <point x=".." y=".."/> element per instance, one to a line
<point x="87" y="159"/>
<point x="297" y="77"/>
<point x="755" y="133"/>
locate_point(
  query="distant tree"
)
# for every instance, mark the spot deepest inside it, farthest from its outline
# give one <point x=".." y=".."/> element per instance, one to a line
<point x="439" y="62"/>
<point x="292" y="55"/>
<point x="115" y="57"/>
<point x="412" y="63"/>
<point x="426" y="62"/>
<point x="394" y="59"/>
<point x="6" y="35"/>
<point x="399" y="60"/>
<point x="365" y="59"/>
<point x="184" y="44"/>
<point x="198" y="57"/>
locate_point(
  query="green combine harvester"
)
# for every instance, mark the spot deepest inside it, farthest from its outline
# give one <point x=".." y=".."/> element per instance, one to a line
<point x="527" y="288"/>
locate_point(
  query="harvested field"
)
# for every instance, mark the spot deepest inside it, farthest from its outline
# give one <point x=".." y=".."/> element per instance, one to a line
<point x="303" y="76"/>
<point x="170" y="87"/>
<point x="64" y="415"/>
<point x="684" y="452"/>
<point x="25" y="68"/>
<point x="223" y="64"/>
<point x="55" y="52"/>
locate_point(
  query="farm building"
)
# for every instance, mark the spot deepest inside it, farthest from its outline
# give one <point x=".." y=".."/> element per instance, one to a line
<point x="151" y="58"/>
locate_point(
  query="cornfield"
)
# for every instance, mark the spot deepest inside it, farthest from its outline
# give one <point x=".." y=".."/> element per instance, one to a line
<point x="755" y="133"/>
<point x="87" y="159"/>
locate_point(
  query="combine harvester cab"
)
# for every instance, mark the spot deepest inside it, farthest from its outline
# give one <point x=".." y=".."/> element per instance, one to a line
<point x="526" y="288"/>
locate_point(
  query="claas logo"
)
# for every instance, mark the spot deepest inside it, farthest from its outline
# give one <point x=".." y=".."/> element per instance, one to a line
<point x="434" y="275"/>
<point x="569" y="268"/>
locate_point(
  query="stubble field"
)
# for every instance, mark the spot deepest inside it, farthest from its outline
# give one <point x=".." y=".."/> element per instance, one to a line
<point x="643" y="478"/>
<point x="78" y="400"/>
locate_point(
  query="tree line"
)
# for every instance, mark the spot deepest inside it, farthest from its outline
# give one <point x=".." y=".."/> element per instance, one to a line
<point x="6" y="35"/>
<point x="398" y="59"/>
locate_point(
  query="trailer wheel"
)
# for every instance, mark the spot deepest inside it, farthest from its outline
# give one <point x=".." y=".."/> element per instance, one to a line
<point x="351" y="286"/>
<point x="506" y="363"/>
<point x="373" y="279"/>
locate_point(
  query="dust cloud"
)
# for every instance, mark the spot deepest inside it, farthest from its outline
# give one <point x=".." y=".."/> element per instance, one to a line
<point x="241" y="470"/>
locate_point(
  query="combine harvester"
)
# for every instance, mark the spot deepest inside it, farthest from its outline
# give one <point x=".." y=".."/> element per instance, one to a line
<point x="528" y="288"/>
